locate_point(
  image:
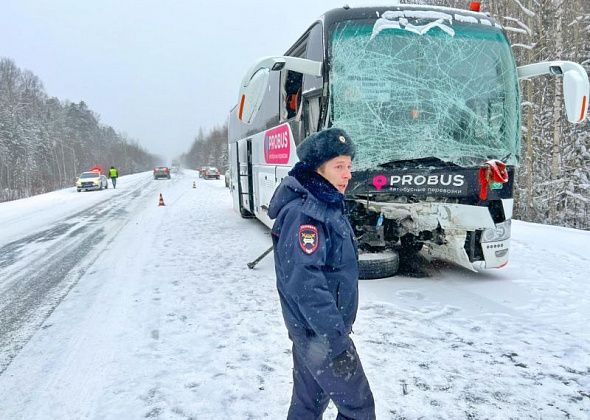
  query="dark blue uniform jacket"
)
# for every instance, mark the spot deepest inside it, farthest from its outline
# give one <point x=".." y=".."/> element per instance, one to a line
<point x="315" y="259"/>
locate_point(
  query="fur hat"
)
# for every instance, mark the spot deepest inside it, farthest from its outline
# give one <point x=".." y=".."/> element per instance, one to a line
<point x="324" y="145"/>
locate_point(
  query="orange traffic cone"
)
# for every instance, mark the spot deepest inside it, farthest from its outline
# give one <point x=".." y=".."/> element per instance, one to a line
<point x="161" y="203"/>
<point x="194" y="184"/>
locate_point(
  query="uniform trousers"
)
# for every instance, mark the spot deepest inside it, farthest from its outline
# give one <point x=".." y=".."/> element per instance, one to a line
<point x="315" y="383"/>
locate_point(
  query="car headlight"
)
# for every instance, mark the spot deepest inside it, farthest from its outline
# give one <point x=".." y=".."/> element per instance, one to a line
<point x="500" y="233"/>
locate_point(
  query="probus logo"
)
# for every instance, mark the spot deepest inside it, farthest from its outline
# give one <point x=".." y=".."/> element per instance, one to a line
<point x="277" y="145"/>
<point x="430" y="180"/>
<point x="418" y="183"/>
<point x="379" y="181"/>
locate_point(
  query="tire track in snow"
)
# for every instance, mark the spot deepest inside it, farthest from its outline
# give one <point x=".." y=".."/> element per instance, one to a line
<point x="62" y="254"/>
<point x="37" y="292"/>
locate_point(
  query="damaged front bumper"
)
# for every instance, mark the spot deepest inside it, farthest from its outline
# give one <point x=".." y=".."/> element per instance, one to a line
<point x="471" y="238"/>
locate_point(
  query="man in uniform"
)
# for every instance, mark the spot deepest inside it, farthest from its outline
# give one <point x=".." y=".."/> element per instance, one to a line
<point x="113" y="174"/>
<point x="317" y="279"/>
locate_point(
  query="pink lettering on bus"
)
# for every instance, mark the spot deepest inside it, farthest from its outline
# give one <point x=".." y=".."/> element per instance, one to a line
<point x="277" y="145"/>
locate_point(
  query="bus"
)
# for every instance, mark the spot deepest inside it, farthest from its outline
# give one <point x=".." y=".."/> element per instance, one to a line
<point x="430" y="96"/>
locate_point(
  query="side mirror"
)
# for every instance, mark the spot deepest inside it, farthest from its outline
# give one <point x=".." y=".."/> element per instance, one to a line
<point x="575" y="95"/>
<point x="255" y="82"/>
<point x="252" y="94"/>
<point x="576" y="88"/>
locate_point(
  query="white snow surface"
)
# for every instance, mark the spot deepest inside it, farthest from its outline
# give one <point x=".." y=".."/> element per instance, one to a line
<point x="159" y="317"/>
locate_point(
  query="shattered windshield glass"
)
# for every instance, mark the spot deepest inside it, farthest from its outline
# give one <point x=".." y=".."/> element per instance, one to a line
<point x="413" y="88"/>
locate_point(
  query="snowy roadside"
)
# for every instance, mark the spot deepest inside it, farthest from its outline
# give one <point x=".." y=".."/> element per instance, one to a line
<point x="169" y="323"/>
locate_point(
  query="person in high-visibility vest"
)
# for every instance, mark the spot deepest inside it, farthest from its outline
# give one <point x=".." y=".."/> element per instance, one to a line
<point x="113" y="174"/>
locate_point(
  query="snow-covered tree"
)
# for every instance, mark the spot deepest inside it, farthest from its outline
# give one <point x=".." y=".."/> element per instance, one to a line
<point x="45" y="144"/>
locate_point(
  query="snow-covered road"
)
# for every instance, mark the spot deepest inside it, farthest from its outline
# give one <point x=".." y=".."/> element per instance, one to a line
<point x="112" y="307"/>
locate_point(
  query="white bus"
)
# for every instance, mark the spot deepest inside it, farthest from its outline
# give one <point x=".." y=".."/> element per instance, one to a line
<point x="430" y="95"/>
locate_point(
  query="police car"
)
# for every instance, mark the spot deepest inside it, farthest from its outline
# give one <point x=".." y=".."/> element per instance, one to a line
<point x="92" y="180"/>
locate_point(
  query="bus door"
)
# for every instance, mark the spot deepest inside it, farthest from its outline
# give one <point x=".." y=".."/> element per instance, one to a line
<point x="245" y="190"/>
<point x="302" y="94"/>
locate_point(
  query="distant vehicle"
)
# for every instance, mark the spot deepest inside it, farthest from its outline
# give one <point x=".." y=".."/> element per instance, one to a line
<point x="227" y="178"/>
<point x="91" y="180"/>
<point x="162" y="172"/>
<point x="211" y="173"/>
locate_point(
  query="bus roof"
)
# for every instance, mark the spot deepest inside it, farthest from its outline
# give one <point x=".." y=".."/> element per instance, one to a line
<point x="346" y="13"/>
<point x="356" y="13"/>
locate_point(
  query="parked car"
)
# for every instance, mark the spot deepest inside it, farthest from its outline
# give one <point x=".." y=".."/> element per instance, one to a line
<point x="162" y="172"/>
<point x="92" y="180"/>
<point x="227" y="178"/>
<point x="211" y="173"/>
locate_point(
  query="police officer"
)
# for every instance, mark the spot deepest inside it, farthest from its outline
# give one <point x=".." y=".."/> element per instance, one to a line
<point x="113" y="174"/>
<point x="317" y="279"/>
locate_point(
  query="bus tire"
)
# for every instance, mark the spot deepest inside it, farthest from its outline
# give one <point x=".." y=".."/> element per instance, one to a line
<point x="378" y="265"/>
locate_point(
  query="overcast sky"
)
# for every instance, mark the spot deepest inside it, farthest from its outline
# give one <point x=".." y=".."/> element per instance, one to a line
<point x="155" y="70"/>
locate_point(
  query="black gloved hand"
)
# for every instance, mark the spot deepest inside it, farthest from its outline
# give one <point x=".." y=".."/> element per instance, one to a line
<point x="344" y="365"/>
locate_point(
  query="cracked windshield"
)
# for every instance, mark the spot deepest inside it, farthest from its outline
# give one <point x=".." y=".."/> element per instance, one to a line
<point x="420" y="88"/>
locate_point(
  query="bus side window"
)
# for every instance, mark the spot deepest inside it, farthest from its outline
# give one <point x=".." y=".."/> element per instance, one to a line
<point x="292" y="93"/>
<point x="315" y="52"/>
<point x="312" y="85"/>
<point x="311" y="115"/>
<point x="292" y="84"/>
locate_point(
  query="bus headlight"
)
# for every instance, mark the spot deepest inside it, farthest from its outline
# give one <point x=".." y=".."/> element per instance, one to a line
<point x="500" y="233"/>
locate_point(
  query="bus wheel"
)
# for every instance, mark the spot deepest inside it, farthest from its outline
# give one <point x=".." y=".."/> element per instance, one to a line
<point x="378" y="265"/>
<point x="411" y="262"/>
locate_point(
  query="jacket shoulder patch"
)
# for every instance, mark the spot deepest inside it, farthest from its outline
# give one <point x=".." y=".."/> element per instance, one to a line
<point x="308" y="238"/>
